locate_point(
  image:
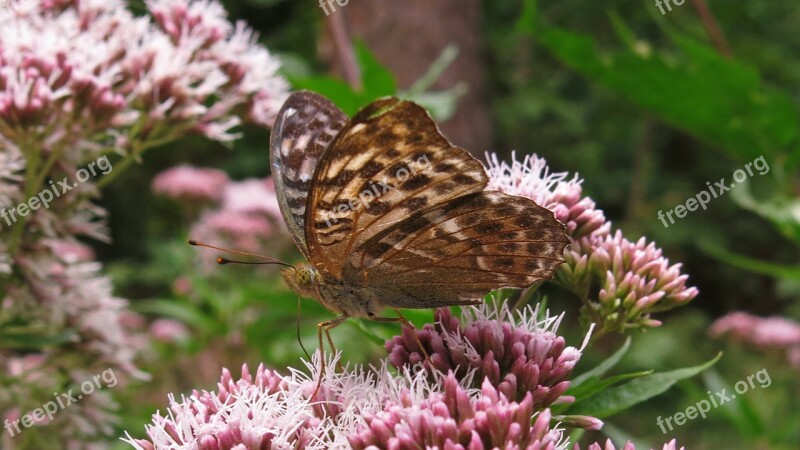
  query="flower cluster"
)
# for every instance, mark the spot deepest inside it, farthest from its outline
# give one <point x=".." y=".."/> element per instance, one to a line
<point x="452" y="419"/>
<point x="254" y="412"/>
<point x="86" y="74"/>
<point x="620" y="282"/>
<point x="519" y="355"/>
<point x="267" y="411"/>
<point x="354" y="409"/>
<point x="764" y="333"/>
<point x="79" y="80"/>
<point x="634" y="280"/>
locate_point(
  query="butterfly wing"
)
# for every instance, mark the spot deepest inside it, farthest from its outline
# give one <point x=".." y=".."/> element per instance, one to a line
<point x="305" y="125"/>
<point x="397" y="210"/>
<point x="456" y="252"/>
<point x="389" y="162"/>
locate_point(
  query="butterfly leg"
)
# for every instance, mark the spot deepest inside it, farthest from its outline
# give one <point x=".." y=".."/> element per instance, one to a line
<point x="300" y="341"/>
<point x="405" y="322"/>
<point x="326" y="327"/>
<point x="339" y="366"/>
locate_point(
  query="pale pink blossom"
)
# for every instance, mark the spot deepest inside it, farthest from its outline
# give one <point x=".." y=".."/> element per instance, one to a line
<point x="252" y="196"/>
<point x="168" y="330"/>
<point x="191" y="184"/>
<point x="764" y="333"/>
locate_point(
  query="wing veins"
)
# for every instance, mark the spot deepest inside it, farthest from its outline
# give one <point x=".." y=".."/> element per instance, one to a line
<point x="398" y="251"/>
<point x="462" y="252"/>
<point x="419" y="213"/>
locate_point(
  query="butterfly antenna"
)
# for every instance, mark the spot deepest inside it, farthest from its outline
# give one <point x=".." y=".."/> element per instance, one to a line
<point x="267" y="259"/>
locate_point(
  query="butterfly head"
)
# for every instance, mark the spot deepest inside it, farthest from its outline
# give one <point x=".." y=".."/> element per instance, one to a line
<point x="303" y="279"/>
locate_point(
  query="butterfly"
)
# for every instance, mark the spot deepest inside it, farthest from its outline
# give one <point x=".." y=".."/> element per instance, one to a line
<point x="389" y="214"/>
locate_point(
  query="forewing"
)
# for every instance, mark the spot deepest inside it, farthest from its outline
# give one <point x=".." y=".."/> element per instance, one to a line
<point x="305" y="126"/>
<point x="457" y="252"/>
<point x="389" y="162"/>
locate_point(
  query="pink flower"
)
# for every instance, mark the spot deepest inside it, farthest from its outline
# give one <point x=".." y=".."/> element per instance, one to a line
<point x="79" y="68"/>
<point x="455" y="420"/>
<point x="191" y="184"/>
<point x="234" y="230"/>
<point x="764" y="333"/>
<point x="633" y="279"/>
<point x="268" y="411"/>
<point x="182" y="286"/>
<point x="519" y="355"/>
<point x="252" y="196"/>
<point x="166" y="330"/>
<point x="250" y="413"/>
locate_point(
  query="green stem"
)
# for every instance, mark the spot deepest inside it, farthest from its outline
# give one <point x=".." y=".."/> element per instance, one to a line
<point x="31" y="167"/>
<point x="137" y="148"/>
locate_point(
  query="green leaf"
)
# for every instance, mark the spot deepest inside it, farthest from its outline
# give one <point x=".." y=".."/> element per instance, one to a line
<point x="781" y="209"/>
<point x="603" y="367"/>
<point x="741" y="412"/>
<point x="528" y="22"/>
<point x="750" y="264"/>
<point x="376" y="80"/>
<point x="179" y="310"/>
<point x="620" y="398"/>
<point x="720" y="101"/>
<point x="26" y="338"/>
<point x="594" y="385"/>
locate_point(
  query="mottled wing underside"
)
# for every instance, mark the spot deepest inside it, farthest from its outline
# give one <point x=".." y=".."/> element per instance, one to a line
<point x="460" y="250"/>
<point x="305" y="126"/>
<point x="389" y="162"/>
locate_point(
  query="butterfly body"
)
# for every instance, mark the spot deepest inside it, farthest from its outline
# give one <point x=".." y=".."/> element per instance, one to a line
<point x="336" y="295"/>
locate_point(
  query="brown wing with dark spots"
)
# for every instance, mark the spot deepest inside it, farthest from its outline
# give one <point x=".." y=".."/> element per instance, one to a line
<point x="388" y="163"/>
<point x="305" y="125"/>
<point x="457" y="252"/>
